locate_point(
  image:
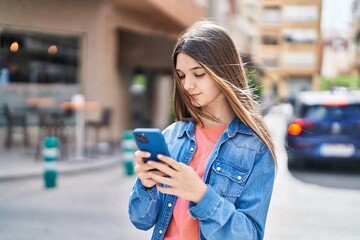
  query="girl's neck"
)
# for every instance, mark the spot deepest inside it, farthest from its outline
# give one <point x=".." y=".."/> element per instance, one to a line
<point x="223" y="116"/>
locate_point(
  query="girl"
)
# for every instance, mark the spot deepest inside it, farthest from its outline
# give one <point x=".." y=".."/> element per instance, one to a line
<point x="218" y="181"/>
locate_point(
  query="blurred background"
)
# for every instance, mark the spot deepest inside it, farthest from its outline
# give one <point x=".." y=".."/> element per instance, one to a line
<point x="88" y="71"/>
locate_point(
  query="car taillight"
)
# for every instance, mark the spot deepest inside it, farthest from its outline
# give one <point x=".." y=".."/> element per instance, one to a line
<point x="298" y="126"/>
<point x="304" y="123"/>
<point x="294" y="129"/>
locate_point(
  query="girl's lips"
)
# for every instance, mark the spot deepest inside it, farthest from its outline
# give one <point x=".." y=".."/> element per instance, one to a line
<point x="194" y="95"/>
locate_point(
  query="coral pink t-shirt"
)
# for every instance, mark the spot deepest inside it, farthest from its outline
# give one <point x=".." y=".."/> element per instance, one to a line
<point x="182" y="225"/>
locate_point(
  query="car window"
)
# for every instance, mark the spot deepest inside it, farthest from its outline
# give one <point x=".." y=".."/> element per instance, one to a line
<point x="320" y="112"/>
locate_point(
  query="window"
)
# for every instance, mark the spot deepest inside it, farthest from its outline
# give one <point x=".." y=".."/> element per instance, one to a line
<point x="271" y="15"/>
<point x="300" y="35"/>
<point x="32" y="57"/>
<point x="300" y="13"/>
<point x="270" y="62"/>
<point x="270" y="40"/>
<point x="319" y="112"/>
<point x="299" y="59"/>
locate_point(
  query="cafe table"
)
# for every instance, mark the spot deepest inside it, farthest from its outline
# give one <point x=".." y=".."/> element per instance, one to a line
<point x="39" y="102"/>
<point x="80" y="106"/>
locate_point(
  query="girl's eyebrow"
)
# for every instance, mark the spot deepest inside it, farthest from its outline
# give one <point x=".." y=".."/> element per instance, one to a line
<point x="191" y="69"/>
<point x="194" y="68"/>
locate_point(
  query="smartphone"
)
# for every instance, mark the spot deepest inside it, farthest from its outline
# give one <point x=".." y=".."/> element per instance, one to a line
<point x="151" y="140"/>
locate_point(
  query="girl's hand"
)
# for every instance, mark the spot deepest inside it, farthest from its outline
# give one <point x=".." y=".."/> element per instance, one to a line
<point x="184" y="182"/>
<point x="143" y="170"/>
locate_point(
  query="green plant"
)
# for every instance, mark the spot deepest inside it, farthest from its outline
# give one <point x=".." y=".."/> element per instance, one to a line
<point x="253" y="76"/>
<point x="344" y="81"/>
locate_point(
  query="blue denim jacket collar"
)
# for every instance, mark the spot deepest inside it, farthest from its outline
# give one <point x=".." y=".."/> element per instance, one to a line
<point x="236" y="126"/>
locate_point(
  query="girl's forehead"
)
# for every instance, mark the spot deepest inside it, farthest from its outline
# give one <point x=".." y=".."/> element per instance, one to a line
<point x="185" y="62"/>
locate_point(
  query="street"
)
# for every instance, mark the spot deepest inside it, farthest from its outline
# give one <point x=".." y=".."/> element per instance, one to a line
<point x="87" y="206"/>
<point x="314" y="204"/>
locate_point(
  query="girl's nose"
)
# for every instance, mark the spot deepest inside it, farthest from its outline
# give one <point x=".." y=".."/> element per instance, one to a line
<point x="188" y="84"/>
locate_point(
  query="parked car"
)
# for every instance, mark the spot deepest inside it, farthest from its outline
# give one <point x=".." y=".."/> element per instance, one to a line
<point x="325" y="128"/>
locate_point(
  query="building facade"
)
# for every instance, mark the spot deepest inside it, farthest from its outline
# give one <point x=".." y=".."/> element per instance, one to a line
<point x="336" y="56"/>
<point x="290" y="45"/>
<point x="355" y="39"/>
<point x="241" y="19"/>
<point x="95" y="48"/>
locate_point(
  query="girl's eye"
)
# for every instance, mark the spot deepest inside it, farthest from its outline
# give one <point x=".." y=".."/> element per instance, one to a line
<point x="181" y="77"/>
<point x="199" y="75"/>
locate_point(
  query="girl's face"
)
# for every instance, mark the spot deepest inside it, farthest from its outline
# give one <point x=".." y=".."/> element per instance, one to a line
<point x="198" y="84"/>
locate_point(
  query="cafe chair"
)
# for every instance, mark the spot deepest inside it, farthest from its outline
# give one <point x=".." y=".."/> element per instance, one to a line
<point x="14" y="120"/>
<point x="51" y="124"/>
<point x="104" y="122"/>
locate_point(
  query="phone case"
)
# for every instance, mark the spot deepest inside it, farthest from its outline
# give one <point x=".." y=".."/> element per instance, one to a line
<point x="151" y="140"/>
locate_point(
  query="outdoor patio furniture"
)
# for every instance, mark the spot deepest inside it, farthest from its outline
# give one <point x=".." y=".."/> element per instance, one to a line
<point x="52" y="124"/>
<point x="14" y="120"/>
<point x="104" y="122"/>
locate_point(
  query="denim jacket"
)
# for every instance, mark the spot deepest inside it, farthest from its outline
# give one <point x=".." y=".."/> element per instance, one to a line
<point x="239" y="174"/>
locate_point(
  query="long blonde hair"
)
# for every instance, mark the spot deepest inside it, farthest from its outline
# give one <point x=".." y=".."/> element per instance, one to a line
<point x="211" y="46"/>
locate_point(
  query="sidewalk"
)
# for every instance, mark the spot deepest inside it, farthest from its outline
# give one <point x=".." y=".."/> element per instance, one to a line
<point x="19" y="163"/>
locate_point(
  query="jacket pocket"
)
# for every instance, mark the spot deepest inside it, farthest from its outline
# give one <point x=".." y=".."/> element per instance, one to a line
<point x="227" y="180"/>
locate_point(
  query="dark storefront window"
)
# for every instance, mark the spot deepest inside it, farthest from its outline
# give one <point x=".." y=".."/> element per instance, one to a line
<point x="32" y="57"/>
<point x="37" y="66"/>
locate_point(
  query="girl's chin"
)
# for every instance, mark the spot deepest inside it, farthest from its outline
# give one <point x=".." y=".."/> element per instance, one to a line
<point x="195" y="104"/>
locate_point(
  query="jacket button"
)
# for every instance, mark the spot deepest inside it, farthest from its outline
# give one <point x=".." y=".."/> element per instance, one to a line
<point x="169" y="204"/>
<point x="192" y="149"/>
<point x="160" y="231"/>
<point x="239" y="177"/>
<point x="218" y="169"/>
